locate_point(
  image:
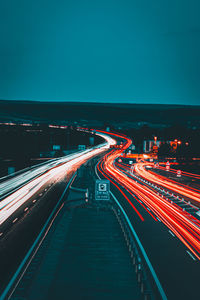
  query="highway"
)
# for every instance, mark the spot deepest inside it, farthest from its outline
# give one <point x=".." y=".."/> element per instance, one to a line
<point x="17" y="192"/>
<point x="26" y="204"/>
<point x="167" y="225"/>
<point x="182" y="189"/>
<point x="80" y="261"/>
<point x="162" y="211"/>
<point x="9" y="185"/>
<point x="174" y="171"/>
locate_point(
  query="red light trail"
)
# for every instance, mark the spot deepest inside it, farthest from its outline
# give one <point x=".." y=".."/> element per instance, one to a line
<point x="185" y="226"/>
<point x="191" y="175"/>
<point x="168" y="183"/>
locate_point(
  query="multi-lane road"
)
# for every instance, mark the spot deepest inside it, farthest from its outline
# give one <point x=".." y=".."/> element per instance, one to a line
<point x="16" y="192"/>
<point x="165" y="216"/>
<point x="27" y="201"/>
<point x="163" y="212"/>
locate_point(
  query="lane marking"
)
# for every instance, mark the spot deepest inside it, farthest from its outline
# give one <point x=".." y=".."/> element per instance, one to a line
<point x="190" y="254"/>
<point x="171" y="233"/>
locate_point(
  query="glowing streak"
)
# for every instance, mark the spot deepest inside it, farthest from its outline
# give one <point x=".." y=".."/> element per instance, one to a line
<point x="182" y="224"/>
<point x="53" y="171"/>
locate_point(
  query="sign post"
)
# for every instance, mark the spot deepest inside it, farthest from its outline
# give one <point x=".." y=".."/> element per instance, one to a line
<point x="178" y="173"/>
<point x="102" y="190"/>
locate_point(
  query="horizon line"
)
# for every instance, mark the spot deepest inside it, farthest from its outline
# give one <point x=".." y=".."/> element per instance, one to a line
<point x="97" y="102"/>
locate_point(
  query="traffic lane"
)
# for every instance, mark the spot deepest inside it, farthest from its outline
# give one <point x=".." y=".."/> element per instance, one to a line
<point x="25" y="207"/>
<point x="15" y="183"/>
<point x="189" y="182"/>
<point x="177" y="188"/>
<point x="192" y="184"/>
<point x="12" y="207"/>
<point x="9" y="187"/>
<point x="173" y="172"/>
<point x="19" y="237"/>
<point x="167" y="253"/>
<point x="43" y="192"/>
<point x="15" y="243"/>
<point x="185" y="202"/>
<point x="171" y="191"/>
<point x="177" y="271"/>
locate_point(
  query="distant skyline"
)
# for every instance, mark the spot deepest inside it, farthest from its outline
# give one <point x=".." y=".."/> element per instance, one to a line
<point x="101" y="51"/>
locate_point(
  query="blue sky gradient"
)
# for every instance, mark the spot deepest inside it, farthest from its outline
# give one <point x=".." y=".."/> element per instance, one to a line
<point x="100" y="51"/>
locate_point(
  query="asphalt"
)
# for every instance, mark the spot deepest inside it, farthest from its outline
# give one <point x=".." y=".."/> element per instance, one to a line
<point x="177" y="271"/>
<point x="18" y="237"/>
<point x="83" y="257"/>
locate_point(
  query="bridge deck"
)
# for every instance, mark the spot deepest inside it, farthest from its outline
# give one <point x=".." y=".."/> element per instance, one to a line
<point x="83" y="257"/>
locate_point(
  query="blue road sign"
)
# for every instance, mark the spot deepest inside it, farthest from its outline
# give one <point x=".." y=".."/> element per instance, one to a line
<point x="102" y="189"/>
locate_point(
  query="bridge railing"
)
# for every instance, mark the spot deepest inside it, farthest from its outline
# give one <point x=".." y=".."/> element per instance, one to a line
<point x="150" y="285"/>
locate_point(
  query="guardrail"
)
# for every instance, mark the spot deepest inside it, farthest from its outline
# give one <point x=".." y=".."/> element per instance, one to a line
<point x="149" y="283"/>
<point x="14" y="281"/>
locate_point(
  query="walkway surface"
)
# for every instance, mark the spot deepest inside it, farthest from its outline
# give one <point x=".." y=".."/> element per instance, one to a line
<point x="83" y="257"/>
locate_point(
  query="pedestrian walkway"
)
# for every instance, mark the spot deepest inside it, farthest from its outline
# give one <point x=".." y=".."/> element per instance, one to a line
<point x="83" y="257"/>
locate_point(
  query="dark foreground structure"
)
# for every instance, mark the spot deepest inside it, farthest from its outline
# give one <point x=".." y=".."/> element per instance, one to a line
<point x="85" y="254"/>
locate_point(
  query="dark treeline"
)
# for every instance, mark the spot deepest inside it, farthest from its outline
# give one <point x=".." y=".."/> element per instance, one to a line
<point x="108" y="112"/>
<point x="20" y="145"/>
<point x="189" y="138"/>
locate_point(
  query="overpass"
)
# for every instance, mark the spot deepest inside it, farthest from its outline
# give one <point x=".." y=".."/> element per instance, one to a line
<point x="87" y="253"/>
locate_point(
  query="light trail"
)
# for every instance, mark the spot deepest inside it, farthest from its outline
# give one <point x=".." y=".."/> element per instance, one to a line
<point x="15" y="182"/>
<point x="125" y="168"/>
<point x="191" y="193"/>
<point x="57" y="171"/>
<point x="187" y="174"/>
<point x="181" y="223"/>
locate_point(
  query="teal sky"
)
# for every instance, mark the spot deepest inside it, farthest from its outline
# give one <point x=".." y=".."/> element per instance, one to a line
<point x="140" y="51"/>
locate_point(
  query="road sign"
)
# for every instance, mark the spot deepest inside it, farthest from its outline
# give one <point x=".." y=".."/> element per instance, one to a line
<point x="178" y="173"/>
<point x="56" y="147"/>
<point x="11" y="170"/>
<point x="102" y="190"/>
<point x="81" y="147"/>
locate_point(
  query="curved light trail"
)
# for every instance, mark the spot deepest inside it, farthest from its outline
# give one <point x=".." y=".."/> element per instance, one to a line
<point x="185" y="226"/>
<point x="187" y="174"/>
<point x="52" y="171"/>
<point x="170" y="184"/>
